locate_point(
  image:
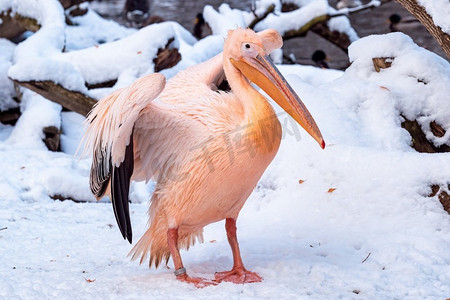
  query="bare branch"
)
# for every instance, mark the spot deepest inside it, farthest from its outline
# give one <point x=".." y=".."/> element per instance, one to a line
<point x="269" y="10"/>
<point x="302" y="31"/>
<point x="356" y="9"/>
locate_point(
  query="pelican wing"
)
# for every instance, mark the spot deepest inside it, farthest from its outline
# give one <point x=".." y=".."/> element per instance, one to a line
<point x="110" y="133"/>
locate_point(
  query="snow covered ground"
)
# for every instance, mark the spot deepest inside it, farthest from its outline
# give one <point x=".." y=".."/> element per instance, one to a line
<point x="352" y="221"/>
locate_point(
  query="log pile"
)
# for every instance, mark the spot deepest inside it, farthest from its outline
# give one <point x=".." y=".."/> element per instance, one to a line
<point x="12" y="25"/>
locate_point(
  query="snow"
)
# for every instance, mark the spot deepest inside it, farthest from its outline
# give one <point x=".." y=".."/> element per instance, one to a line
<point x="227" y="18"/>
<point x="377" y="235"/>
<point x="294" y="20"/>
<point x="342" y="24"/>
<point x="91" y="29"/>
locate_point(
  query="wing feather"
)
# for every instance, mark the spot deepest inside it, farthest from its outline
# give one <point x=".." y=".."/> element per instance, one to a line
<point x="120" y="187"/>
<point x="110" y="134"/>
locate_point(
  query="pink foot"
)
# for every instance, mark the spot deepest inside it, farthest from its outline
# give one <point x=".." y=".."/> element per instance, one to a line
<point x="238" y="276"/>
<point x="197" y="281"/>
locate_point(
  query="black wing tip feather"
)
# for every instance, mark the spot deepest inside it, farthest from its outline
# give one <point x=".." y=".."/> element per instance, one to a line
<point x="120" y="187"/>
<point x="99" y="176"/>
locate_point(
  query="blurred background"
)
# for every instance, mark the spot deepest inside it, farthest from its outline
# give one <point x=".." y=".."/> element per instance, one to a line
<point x="388" y="17"/>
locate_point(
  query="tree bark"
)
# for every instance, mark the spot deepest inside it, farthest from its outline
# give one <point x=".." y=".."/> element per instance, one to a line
<point x="420" y="14"/>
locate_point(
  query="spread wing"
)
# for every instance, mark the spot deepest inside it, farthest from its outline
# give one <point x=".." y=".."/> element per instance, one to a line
<point x="110" y="134"/>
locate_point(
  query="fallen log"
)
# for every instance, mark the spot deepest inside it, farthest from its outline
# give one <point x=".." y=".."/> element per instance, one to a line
<point x="70" y="100"/>
<point x="81" y="103"/>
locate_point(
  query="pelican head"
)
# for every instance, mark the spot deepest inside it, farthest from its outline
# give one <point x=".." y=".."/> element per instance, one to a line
<point x="248" y="52"/>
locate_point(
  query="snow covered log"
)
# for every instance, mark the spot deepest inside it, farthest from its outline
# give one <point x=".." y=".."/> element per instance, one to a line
<point x="419" y="10"/>
<point x="422" y="108"/>
<point x="419" y="140"/>
<point x="80" y="102"/>
<point x="75" y="78"/>
<point x="12" y="25"/>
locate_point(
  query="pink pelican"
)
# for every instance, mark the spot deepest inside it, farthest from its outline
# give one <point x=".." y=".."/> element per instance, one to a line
<point x="206" y="149"/>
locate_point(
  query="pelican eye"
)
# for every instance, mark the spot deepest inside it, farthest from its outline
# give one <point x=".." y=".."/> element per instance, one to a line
<point x="247" y="46"/>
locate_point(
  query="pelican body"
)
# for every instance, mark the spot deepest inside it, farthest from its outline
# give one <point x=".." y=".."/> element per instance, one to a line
<point x="206" y="149"/>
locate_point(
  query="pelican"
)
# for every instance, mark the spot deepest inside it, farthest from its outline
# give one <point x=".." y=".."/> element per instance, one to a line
<point x="206" y="149"/>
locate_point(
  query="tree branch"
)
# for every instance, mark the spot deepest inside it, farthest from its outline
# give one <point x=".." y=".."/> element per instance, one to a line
<point x="269" y="10"/>
<point x="303" y="30"/>
<point x="420" y="14"/>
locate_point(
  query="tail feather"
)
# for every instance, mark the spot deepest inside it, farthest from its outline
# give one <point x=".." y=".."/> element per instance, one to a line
<point x="154" y="242"/>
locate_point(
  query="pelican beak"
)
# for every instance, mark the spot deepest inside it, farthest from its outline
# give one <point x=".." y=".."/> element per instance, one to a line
<point x="261" y="71"/>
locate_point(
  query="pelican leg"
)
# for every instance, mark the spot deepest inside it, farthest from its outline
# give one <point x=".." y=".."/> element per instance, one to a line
<point x="180" y="271"/>
<point x="238" y="273"/>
